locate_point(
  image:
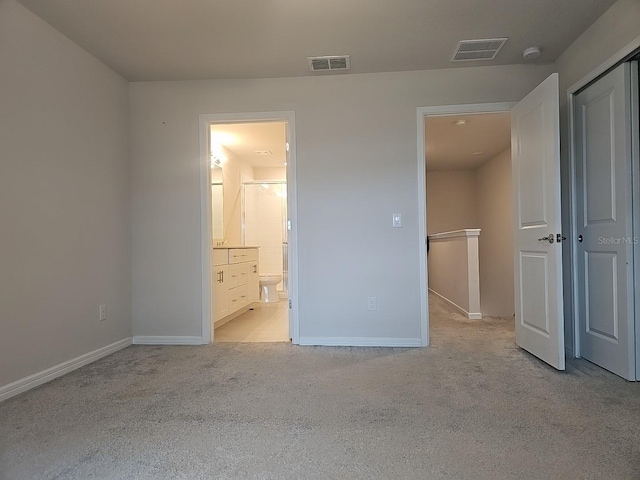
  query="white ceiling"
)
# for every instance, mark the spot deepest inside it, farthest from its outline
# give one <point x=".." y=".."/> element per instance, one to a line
<point x="457" y="147"/>
<point x="245" y="139"/>
<point x="198" y="39"/>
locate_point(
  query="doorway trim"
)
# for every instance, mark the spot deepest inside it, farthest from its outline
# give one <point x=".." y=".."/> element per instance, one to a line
<point x="206" y="240"/>
<point x="617" y="58"/>
<point x="422" y="114"/>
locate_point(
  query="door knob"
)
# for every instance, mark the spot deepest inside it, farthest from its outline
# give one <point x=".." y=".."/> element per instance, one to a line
<point x="548" y="238"/>
<point x="580" y="238"/>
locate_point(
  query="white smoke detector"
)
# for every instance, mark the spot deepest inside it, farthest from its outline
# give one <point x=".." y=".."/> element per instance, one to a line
<point x="531" y="53"/>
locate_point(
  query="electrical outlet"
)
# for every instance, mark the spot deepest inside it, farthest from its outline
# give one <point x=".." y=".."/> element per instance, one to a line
<point x="103" y="312"/>
<point x="372" y="303"/>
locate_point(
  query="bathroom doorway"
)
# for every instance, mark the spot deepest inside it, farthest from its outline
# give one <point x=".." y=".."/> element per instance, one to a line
<point x="252" y="234"/>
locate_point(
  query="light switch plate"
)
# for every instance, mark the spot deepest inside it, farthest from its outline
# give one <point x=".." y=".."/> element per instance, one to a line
<point x="397" y="220"/>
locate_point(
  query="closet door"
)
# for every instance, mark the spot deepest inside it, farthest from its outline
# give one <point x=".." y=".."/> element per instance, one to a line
<point x="604" y="222"/>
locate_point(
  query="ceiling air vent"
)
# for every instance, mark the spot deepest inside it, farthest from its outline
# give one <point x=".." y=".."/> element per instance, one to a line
<point x="485" y="49"/>
<point x="327" y="63"/>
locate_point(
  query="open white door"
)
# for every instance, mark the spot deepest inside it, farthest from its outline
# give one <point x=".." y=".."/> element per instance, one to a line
<point x="535" y="146"/>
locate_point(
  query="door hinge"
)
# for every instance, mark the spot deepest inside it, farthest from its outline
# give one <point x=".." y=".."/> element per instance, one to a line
<point x="290" y="303"/>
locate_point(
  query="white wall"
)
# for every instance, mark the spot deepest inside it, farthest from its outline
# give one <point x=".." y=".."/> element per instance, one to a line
<point x="270" y="173"/>
<point x="611" y="32"/>
<point x="454" y="269"/>
<point x="357" y="164"/>
<point x="451" y="200"/>
<point x="234" y="172"/>
<point x="64" y="199"/>
<point x="448" y="270"/>
<point x="217" y="204"/>
<point x="616" y="28"/>
<point x="495" y="214"/>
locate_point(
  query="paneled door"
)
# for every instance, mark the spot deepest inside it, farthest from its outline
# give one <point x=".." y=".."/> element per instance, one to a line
<point x="535" y="146"/>
<point x="604" y="228"/>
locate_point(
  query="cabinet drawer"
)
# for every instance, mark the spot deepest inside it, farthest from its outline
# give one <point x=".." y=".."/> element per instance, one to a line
<point x="237" y="298"/>
<point x="237" y="255"/>
<point x="234" y="299"/>
<point x="243" y="270"/>
<point x="243" y="296"/>
<point x="234" y="276"/>
<point x="220" y="256"/>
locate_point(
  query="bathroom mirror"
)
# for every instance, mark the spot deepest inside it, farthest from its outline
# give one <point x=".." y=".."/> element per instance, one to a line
<point x="217" y="204"/>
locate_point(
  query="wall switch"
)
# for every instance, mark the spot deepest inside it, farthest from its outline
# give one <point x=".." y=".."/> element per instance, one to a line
<point x="397" y="220"/>
<point x="372" y="303"/>
<point x="103" y="312"/>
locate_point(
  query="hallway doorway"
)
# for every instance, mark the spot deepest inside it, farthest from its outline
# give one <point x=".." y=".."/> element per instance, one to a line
<point x="469" y="209"/>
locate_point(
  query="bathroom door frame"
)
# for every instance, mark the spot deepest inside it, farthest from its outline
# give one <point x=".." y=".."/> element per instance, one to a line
<point x="206" y="240"/>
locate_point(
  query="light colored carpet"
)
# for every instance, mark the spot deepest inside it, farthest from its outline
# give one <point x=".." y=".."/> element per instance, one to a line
<point x="472" y="406"/>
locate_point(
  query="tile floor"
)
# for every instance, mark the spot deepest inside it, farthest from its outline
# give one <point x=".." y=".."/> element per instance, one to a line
<point x="267" y="322"/>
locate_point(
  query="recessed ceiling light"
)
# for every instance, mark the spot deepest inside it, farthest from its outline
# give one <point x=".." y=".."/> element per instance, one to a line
<point x="263" y="152"/>
<point x="460" y="122"/>
<point x="477" y="153"/>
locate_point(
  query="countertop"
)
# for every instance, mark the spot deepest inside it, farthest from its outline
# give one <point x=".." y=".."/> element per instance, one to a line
<point x="224" y="247"/>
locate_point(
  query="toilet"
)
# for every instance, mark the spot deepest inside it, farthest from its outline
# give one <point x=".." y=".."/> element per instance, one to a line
<point x="268" y="292"/>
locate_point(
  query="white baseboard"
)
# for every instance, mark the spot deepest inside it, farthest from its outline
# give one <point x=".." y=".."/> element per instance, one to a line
<point x="167" y="340"/>
<point x="32" y="381"/>
<point x="360" y="342"/>
<point x="469" y="315"/>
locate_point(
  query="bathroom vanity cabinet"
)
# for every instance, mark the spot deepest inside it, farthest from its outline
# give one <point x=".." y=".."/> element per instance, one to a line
<point x="235" y="280"/>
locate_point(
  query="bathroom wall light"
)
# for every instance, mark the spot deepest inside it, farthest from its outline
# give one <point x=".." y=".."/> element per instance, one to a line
<point x="217" y="153"/>
<point x="218" y="160"/>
